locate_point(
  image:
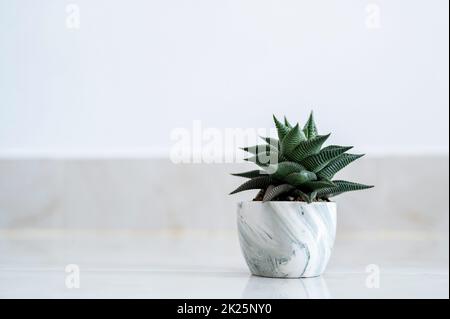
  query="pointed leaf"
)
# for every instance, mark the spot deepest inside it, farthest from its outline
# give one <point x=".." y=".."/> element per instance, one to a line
<point x="341" y="187"/>
<point x="251" y="174"/>
<point x="271" y="141"/>
<point x="281" y="128"/>
<point x="254" y="183"/>
<point x="318" y="161"/>
<point x="291" y="140"/>
<point x="264" y="159"/>
<point x="277" y="191"/>
<point x="306" y="148"/>
<point x="260" y="148"/>
<point x="336" y="165"/>
<point x="333" y="147"/>
<point x="310" y="128"/>
<point x="286" y="123"/>
<point x="317" y="185"/>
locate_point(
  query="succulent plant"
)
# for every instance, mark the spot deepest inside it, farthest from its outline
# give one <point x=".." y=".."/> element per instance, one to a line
<point x="296" y="167"/>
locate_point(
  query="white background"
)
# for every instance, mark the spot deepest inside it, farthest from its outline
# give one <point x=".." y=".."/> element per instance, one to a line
<point x="137" y="69"/>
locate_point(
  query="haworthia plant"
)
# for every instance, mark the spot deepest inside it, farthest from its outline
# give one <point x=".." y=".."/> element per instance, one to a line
<point x="302" y="169"/>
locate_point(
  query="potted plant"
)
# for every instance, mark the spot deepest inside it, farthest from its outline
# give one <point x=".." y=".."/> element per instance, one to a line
<point x="288" y="230"/>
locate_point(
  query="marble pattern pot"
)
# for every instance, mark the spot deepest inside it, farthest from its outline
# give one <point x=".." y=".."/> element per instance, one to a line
<point x="287" y="239"/>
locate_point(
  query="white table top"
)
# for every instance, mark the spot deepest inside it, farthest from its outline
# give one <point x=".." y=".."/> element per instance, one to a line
<point x="208" y="265"/>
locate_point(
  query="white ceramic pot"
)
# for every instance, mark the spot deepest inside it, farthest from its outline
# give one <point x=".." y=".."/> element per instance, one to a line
<point x="287" y="239"/>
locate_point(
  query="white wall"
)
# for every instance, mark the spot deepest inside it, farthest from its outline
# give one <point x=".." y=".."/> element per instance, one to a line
<point x="137" y="69"/>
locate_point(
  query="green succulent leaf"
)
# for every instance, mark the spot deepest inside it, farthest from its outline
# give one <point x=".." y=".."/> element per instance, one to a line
<point x="307" y="148"/>
<point x="251" y="174"/>
<point x="291" y="140"/>
<point x="275" y="147"/>
<point x="336" y="165"/>
<point x="271" y="141"/>
<point x="317" y="185"/>
<point x="295" y="164"/>
<point x="318" y="161"/>
<point x="260" y="148"/>
<point x="300" y="178"/>
<point x="285" y="168"/>
<point x="333" y="147"/>
<point x="264" y="159"/>
<point x="341" y="187"/>
<point x="310" y="128"/>
<point x="286" y="123"/>
<point x="281" y="128"/>
<point x="254" y="183"/>
<point x="277" y="191"/>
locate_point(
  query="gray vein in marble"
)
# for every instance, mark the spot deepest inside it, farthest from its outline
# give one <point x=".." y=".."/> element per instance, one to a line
<point x="285" y="239"/>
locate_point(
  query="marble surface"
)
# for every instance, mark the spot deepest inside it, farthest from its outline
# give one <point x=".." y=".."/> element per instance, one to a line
<point x="125" y="224"/>
<point x="286" y="239"/>
<point x="208" y="264"/>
